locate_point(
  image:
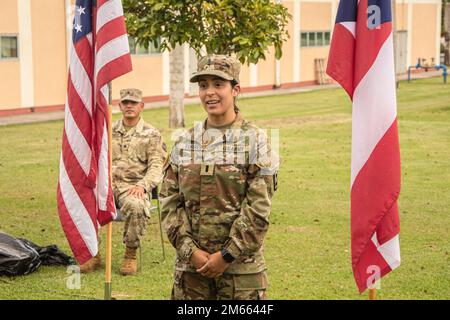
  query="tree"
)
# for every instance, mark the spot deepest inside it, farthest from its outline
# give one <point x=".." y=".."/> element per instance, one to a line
<point x="445" y="27"/>
<point x="241" y="27"/>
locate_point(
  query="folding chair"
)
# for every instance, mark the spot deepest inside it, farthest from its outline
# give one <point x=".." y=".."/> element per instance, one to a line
<point x="154" y="196"/>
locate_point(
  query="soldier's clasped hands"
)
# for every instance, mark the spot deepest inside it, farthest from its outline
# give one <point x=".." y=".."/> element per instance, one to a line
<point x="214" y="266"/>
<point x="137" y="192"/>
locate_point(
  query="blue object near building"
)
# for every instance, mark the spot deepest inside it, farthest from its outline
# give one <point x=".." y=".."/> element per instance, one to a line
<point x="437" y="67"/>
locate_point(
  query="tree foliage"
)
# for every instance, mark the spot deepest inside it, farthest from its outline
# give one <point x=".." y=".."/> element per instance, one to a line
<point x="245" y="28"/>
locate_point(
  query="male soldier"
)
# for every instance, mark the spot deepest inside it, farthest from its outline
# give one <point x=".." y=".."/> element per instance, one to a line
<point x="137" y="160"/>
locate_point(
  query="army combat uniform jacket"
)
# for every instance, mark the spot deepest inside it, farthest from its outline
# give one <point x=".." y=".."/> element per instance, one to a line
<point x="216" y="193"/>
<point x="138" y="157"/>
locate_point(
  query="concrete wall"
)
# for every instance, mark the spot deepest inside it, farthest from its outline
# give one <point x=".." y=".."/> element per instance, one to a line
<point x="314" y="17"/>
<point x="9" y="68"/>
<point x="423" y="34"/>
<point x="39" y="76"/>
<point x="49" y="52"/>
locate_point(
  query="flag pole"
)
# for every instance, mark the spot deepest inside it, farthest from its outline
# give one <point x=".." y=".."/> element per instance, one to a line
<point x="109" y="225"/>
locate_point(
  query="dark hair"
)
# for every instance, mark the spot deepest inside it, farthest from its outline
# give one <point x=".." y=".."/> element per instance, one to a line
<point x="234" y="83"/>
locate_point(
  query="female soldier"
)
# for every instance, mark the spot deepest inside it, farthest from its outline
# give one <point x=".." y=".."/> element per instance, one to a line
<point x="216" y="194"/>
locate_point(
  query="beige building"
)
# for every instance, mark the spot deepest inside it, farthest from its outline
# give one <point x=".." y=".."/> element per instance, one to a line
<point x="34" y="38"/>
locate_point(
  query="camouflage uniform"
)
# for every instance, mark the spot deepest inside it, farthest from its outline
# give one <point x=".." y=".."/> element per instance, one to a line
<point x="138" y="157"/>
<point x="219" y="65"/>
<point x="212" y="199"/>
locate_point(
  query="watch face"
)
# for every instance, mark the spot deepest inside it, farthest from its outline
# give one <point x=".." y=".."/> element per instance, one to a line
<point x="227" y="256"/>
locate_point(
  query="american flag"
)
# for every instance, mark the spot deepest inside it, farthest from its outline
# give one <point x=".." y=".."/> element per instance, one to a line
<point x="99" y="54"/>
<point x="361" y="59"/>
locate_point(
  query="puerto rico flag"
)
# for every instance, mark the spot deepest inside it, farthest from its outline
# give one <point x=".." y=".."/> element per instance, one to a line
<point x="361" y="60"/>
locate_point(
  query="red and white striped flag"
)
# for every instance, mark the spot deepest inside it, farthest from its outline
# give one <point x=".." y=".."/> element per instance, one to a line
<point x="99" y="54"/>
<point x="361" y="59"/>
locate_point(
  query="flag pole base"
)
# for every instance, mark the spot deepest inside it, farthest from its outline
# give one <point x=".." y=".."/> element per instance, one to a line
<point x="108" y="291"/>
<point x="372" y="294"/>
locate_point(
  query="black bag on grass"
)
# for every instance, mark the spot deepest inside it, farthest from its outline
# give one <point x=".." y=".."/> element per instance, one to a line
<point x="50" y="255"/>
<point x="21" y="256"/>
<point x="17" y="257"/>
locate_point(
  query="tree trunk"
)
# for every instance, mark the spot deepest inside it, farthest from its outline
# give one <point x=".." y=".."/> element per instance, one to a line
<point x="176" y="106"/>
<point x="447" y="32"/>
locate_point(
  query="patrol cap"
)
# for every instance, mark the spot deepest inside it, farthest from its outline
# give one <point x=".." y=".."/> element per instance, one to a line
<point x="220" y="65"/>
<point x="131" y="95"/>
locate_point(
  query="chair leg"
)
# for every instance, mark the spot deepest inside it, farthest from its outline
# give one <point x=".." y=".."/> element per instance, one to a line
<point x="161" y="233"/>
<point x="140" y="259"/>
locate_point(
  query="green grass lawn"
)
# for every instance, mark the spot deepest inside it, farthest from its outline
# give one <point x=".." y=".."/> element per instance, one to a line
<point x="308" y="244"/>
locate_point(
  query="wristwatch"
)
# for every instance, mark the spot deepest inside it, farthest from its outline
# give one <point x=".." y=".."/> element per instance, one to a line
<point x="227" y="256"/>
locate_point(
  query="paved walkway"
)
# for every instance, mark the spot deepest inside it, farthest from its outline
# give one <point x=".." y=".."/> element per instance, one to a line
<point x="58" y="115"/>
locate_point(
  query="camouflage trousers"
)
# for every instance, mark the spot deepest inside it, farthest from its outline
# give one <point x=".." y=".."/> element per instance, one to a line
<point x="135" y="213"/>
<point x="194" y="286"/>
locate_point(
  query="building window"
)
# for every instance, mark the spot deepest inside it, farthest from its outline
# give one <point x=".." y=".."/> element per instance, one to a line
<point x="319" y="39"/>
<point x="327" y="38"/>
<point x="312" y="39"/>
<point x="8" y="47"/>
<point x="304" y="39"/>
<point x="141" y="50"/>
<point x="315" y="39"/>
